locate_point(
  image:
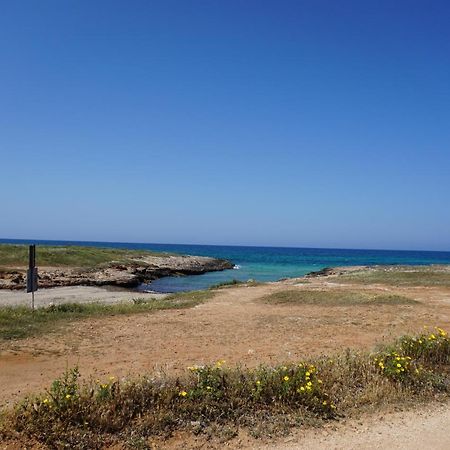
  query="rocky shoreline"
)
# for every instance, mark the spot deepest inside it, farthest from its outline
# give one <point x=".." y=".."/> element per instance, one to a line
<point x="130" y="275"/>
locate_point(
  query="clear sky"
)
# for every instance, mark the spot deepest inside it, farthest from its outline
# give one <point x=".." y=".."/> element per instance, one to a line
<point x="286" y="123"/>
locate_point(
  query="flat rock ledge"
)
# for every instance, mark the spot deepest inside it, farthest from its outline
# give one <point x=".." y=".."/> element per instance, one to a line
<point x="131" y="275"/>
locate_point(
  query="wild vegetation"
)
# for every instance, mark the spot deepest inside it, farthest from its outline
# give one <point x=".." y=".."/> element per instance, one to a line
<point x="13" y="255"/>
<point x="400" y="276"/>
<point x="218" y="400"/>
<point x="234" y="282"/>
<point x="334" y="298"/>
<point x="21" y="322"/>
<point x="225" y="284"/>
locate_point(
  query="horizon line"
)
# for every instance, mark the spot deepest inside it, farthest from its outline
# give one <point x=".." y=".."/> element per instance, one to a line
<point x="224" y="245"/>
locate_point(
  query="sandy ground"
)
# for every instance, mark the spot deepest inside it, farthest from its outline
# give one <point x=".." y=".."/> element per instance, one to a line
<point x="78" y="294"/>
<point x="234" y="326"/>
<point x="421" y="428"/>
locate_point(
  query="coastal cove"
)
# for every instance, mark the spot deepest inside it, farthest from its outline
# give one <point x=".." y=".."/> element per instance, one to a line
<point x="259" y="263"/>
<point x="75" y="265"/>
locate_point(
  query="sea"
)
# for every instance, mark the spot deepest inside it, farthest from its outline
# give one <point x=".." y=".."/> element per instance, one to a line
<point x="260" y="263"/>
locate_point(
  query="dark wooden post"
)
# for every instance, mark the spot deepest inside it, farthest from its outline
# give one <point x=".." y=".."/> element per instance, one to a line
<point x="32" y="275"/>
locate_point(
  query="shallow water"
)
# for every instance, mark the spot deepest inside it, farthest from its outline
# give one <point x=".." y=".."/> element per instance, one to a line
<point x="271" y="263"/>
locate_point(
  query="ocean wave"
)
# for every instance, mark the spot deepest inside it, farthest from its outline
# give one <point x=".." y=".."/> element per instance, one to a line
<point x="236" y="266"/>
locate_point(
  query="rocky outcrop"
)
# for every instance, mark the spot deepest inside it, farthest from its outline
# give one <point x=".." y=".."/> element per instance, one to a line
<point x="139" y="270"/>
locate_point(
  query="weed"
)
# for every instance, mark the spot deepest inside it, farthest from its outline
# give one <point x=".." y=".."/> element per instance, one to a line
<point x="20" y="322"/>
<point x="334" y="298"/>
<point x="223" y="284"/>
<point x="266" y="400"/>
<point x="400" y="276"/>
<point x="430" y="348"/>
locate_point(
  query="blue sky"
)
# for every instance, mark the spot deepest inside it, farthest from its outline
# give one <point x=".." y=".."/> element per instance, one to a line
<point x="290" y="123"/>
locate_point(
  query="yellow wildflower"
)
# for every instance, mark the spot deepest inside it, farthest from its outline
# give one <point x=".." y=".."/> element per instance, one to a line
<point x="286" y="378"/>
<point x="183" y="393"/>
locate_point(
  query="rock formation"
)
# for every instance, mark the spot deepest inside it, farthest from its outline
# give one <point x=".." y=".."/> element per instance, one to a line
<point x="140" y="270"/>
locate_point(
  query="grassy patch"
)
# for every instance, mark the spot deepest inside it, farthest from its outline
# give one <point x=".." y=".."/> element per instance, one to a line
<point x="12" y="255"/>
<point x="20" y="322"/>
<point x="266" y="400"/>
<point x="232" y="283"/>
<point x="400" y="276"/>
<point x="225" y="284"/>
<point x="333" y="298"/>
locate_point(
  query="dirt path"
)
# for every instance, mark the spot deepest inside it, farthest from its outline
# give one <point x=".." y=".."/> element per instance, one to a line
<point x="234" y="326"/>
<point x="69" y="294"/>
<point x="421" y="428"/>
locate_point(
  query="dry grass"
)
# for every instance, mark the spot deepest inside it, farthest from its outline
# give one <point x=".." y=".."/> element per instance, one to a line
<point x="234" y="283"/>
<point x="400" y="276"/>
<point x="15" y="255"/>
<point x="265" y="400"/>
<point x="333" y="298"/>
<point x="21" y="322"/>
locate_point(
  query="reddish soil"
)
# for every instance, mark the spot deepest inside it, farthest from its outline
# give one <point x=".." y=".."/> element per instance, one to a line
<point x="234" y="326"/>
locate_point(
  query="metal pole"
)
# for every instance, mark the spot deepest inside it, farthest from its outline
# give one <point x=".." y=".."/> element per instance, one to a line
<point x="32" y="274"/>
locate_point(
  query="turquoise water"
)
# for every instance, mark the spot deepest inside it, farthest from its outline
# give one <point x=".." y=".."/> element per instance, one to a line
<point x="263" y="263"/>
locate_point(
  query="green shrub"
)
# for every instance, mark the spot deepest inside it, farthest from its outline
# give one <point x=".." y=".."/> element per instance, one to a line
<point x="429" y="348"/>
